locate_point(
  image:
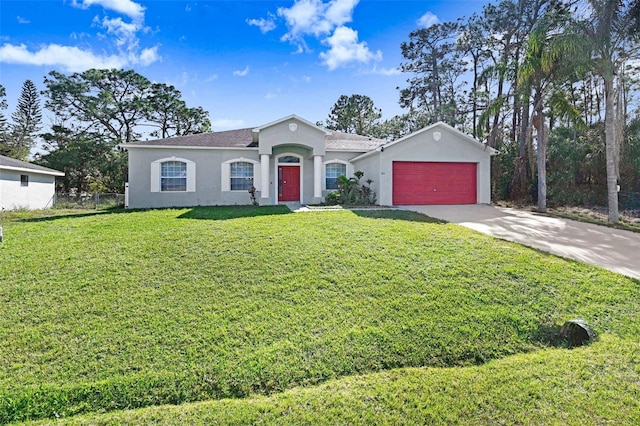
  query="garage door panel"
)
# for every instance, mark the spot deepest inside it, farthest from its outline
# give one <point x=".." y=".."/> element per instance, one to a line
<point x="434" y="183"/>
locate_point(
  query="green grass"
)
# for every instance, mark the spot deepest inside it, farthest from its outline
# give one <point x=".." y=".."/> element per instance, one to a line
<point x="586" y="386"/>
<point x="119" y="310"/>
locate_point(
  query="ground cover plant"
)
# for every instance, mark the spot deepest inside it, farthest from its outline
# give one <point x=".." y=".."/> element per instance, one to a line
<point x="120" y="310"/>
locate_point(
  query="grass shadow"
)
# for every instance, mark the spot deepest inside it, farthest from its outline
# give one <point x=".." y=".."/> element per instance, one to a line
<point x="398" y="215"/>
<point x="53" y="214"/>
<point x="233" y="212"/>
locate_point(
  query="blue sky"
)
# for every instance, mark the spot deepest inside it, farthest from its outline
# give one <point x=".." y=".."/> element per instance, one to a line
<point x="246" y="62"/>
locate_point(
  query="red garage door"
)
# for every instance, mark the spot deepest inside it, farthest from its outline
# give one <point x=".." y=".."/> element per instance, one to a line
<point x="434" y="183"/>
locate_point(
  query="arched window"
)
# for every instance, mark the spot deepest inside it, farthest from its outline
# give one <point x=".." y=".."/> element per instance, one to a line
<point x="241" y="176"/>
<point x="288" y="159"/>
<point x="332" y="172"/>
<point x="173" y="176"/>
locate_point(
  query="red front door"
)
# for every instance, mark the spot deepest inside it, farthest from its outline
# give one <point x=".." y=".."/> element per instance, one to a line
<point x="288" y="183"/>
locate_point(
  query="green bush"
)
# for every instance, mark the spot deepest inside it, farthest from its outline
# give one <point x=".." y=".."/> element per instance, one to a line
<point x="351" y="192"/>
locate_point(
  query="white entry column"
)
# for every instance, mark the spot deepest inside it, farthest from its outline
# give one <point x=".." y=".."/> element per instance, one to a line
<point x="317" y="176"/>
<point x="264" y="168"/>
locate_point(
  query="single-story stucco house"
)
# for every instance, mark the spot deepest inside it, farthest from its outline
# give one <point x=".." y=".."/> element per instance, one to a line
<point x="293" y="160"/>
<point x="26" y="186"/>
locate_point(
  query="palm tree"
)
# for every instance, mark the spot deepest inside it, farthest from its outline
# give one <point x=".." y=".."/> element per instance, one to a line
<point x="548" y="64"/>
<point x="610" y="31"/>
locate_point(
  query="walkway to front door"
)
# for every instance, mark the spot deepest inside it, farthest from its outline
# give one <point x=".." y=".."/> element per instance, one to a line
<point x="288" y="183"/>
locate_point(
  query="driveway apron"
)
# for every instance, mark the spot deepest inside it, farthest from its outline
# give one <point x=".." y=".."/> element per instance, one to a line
<point x="613" y="249"/>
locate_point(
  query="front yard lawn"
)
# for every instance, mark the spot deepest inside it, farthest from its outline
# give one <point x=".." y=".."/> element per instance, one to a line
<point x="131" y="309"/>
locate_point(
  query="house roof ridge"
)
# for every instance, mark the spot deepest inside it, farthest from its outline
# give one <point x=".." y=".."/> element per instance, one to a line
<point x="15" y="164"/>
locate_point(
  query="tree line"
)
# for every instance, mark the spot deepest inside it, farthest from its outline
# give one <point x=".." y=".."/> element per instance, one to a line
<point x="93" y="112"/>
<point x="551" y="84"/>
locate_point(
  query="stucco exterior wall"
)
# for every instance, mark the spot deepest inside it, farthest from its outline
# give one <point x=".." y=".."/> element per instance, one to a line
<point x="208" y="177"/>
<point x="423" y="147"/>
<point x="370" y="166"/>
<point x="208" y="181"/>
<point x="39" y="194"/>
<point x="281" y="134"/>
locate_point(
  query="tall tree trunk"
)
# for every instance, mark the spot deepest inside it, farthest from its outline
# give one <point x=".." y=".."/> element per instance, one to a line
<point x="542" y="155"/>
<point x="610" y="145"/>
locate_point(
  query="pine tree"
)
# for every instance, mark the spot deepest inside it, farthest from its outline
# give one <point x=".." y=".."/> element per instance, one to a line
<point x="27" y="120"/>
<point x="4" y="127"/>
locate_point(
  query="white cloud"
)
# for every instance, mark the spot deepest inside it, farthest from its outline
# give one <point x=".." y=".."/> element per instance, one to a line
<point x="339" y="12"/>
<point x="212" y="77"/>
<point x="314" y="17"/>
<point x="226" y="124"/>
<point x="325" y="20"/>
<point x="79" y="36"/>
<point x="73" y="59"/>
<point x="345" y="48"/>
<point x="124" y="32"/>
<point x="265" y="25"/>
<point x="241" y="73"/>
<point x="147" y="56"/>
<point x="384" y="71"/>
<point x="22" y="20"/>
<point x="125" y="7"/>
<point x="427" y="20"/>
<point x="69" y="58"/>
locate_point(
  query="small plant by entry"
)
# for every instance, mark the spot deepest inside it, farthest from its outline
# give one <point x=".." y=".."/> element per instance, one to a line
<point x="351" y="191"/>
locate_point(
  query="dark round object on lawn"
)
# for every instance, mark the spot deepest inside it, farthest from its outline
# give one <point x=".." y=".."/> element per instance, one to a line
<point x="576" y="332"/>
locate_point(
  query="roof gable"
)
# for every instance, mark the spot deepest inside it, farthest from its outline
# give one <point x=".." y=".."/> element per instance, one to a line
<point x="453" y="130"/>
<point x="436" y="126"/>
<point x="289" y="118"/>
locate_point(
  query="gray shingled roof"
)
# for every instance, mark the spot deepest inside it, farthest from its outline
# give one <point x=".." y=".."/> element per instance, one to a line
<point x="350" y="142"/>
<point x="12" y="162"/>
<point x="243" y="138"/>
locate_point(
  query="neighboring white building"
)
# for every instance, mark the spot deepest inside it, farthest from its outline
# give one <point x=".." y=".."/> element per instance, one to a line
<point x="293" y="160"/>
<point x="26" y="186"/>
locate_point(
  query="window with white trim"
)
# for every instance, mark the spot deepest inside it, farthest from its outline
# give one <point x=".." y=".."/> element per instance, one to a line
<point x="332" y="172"/>
<point x="241" y="176"/>
<point x="24" y="180"/>
<point x="173" y="176"/>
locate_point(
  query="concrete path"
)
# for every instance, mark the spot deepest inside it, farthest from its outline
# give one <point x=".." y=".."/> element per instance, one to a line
<point x="613" y="249"/>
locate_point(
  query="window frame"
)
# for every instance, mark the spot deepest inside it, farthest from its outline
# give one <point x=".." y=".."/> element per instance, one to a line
<point x="169" y="175"/>
<point x="24" y="180"/>
<point x="349" y="170"/>
<point x="225" y="174"/>
<point x="250" y="180"/>
<point x="333" y="178"/>
<point x="156" y="178"/>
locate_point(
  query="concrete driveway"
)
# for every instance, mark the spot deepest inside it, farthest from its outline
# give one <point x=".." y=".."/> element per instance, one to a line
<point x="613" y="249"/>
